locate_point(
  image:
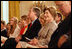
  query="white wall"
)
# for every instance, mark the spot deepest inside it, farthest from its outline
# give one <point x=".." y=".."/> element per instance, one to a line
<point x="24" y="7"/>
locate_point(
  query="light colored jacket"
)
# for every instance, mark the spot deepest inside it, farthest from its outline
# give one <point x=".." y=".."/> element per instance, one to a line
<point x="45" y="33"/>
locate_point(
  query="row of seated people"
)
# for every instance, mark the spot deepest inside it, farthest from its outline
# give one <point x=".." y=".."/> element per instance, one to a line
<point x="40" y="32"/>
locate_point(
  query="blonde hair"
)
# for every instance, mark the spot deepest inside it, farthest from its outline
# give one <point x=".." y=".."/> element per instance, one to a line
<point x="14" y="26"/>
<point x="15" y="20"/>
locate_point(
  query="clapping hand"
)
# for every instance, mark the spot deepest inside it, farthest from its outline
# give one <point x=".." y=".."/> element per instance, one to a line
<point x="33" y="42"/>
<point x="18" y="38"/>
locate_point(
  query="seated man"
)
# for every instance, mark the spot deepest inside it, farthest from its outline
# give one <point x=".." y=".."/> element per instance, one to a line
<point x="34" y="26"/>
<point x="64" y="27"/>
<point x="3" y="30"/>
<point x="3" y="33"/>
<point x="65" y="40"/>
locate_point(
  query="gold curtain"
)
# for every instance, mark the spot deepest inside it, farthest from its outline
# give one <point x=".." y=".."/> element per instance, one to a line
<point x="14" y="9"/>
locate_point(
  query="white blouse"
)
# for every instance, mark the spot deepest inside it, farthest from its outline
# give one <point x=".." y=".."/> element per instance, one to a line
<point x="16" y="32"/>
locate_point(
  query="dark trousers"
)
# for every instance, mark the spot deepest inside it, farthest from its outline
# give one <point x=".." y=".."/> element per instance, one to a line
<point x="10" y="43"/>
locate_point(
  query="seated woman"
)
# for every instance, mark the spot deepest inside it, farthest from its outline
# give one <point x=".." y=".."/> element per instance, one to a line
<point x="11" y="31"/>
<point x="13" y="24"/>
<point x="46" y="31"/>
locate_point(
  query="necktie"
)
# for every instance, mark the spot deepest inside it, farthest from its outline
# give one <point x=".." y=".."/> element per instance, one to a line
<point x="30" y="25"/>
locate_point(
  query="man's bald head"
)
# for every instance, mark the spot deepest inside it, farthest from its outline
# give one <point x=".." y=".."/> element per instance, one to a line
<point x="64" y="7"/>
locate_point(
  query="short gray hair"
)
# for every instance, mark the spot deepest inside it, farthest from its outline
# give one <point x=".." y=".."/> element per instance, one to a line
<point x="37" y="11"/>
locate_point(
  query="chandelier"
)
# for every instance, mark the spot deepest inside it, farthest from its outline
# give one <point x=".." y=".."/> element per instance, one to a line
<point x="40" y="4"/>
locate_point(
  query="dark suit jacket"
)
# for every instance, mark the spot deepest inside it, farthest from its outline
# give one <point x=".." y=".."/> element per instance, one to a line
<point x="63" y="28"/>
<point x="4" y="33"/>
<point x="67" y="43"/>
<point x="33" y="31"/>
